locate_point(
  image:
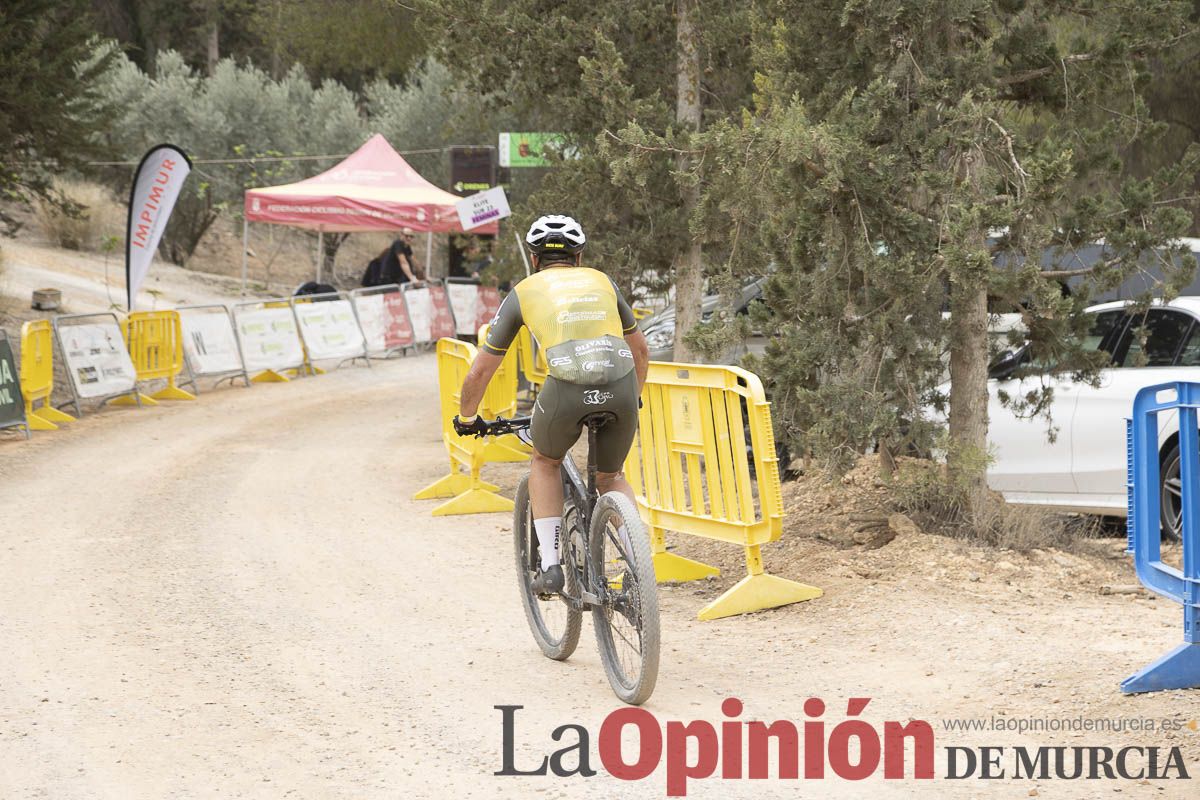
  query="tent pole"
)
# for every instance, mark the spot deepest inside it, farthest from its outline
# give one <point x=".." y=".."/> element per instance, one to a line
<point x="429" y="254"/>
<point x="245" y="247"/>
<point x="320" y="252"/>
<point x="521" y="250"/>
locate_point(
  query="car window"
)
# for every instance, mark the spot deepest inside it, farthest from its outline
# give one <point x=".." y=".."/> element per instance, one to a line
<point x="1165" y="332"/>
<point x="1189" y="356"/>
<point x="1106" y="334"/>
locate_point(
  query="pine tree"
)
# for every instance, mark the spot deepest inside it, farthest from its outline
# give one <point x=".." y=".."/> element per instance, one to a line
<point x="49" y="107"/>
<point x="629" y="84"/>
<point x="905" y="158"/>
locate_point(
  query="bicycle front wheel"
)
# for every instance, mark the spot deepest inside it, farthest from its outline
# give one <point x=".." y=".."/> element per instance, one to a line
<point x="626" y="619"/>
<point x="555" y="625"/>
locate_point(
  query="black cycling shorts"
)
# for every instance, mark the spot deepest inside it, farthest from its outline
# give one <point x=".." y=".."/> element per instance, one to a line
<point x="561" y="408"/>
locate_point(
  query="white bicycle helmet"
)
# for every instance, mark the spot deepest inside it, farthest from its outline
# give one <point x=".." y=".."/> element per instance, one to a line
<point x="555" y="233"/>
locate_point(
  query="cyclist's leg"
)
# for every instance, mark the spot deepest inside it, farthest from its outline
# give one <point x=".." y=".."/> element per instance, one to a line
<point x="615" y="438"/>
<point x="552" y="437"/>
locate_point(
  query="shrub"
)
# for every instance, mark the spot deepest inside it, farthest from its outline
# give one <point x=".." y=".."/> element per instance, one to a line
<point x="924" y="491"/>
<point x="87" y="215"/>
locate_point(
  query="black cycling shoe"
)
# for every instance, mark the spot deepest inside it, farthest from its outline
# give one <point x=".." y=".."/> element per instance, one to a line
<point x="549" y="581"/>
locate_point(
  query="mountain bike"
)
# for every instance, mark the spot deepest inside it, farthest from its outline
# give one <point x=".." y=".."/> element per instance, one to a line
<point x="607" y="568"/>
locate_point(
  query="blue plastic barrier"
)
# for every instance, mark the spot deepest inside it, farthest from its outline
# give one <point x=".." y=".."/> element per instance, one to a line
<point x="1180" y="668"/>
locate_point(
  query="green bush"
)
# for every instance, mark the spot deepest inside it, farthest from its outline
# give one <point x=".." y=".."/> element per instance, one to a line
<point x="87" y="214"/>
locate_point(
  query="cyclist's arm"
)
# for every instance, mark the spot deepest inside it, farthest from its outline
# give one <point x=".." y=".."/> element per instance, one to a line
<point x="475" y="384"/>
<point x="501" y="333"/>
<point x="634" y="338"/>
<point x="641" y="355"/>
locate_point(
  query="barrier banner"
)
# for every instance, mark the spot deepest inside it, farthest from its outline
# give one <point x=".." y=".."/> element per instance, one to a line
<point x="373" y="318"/>
<point x="383" y="317"/>
<point x="399" y="331"/>
<point x="330" y="329"/>
<point x="12" y="404"/>
<point x="420" y="313"/>
<point x="489" y="304"/>
<point x="269" y="339"/>
<point x="209" y="341"/>
<point x="96" y="359"/>
<point x="464" y="299"/>
<point x="441" y="323"/>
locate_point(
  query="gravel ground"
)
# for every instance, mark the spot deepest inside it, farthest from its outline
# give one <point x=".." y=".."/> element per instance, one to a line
<point x="237" y="598"/>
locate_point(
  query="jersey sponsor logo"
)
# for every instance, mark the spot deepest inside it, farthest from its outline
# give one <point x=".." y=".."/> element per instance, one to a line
<point x="623" y="353"/>
<point x="595" y="397"/>
<point x="590" y="366"/>
<point x="570" y="301"/>
<point x="561" y="361"/>
<point x="581" y="316"/>
<point x="593" y="346"/>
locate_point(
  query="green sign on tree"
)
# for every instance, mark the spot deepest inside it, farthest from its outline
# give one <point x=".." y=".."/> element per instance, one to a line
<point x="528" y="149"/>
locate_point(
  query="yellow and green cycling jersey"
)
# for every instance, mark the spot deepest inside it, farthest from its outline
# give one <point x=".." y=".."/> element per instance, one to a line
<point x="577" y="316"/>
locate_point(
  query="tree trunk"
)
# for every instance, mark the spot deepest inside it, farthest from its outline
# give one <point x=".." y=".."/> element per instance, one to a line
<point x="966" y="459"/>
<point x="689" y="266"/>
<point x="214" y="47"/>
<point x="333" y="243"/>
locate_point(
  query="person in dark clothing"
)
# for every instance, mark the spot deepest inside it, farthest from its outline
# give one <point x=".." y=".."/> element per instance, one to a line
<point x="397" y="264"/>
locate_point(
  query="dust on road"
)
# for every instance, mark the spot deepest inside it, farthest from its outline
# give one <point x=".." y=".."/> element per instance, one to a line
<point x="237" y="598"/>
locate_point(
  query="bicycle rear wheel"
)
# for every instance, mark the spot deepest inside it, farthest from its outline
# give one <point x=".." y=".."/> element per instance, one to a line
<point x="554" y="624"/>
<point x="626" y="620"/>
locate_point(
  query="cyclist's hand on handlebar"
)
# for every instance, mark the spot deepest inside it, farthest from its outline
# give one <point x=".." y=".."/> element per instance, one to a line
<point x="475" y="427"/>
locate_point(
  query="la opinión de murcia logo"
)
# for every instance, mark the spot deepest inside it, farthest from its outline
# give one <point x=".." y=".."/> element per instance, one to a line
<point x="736" y="749"/>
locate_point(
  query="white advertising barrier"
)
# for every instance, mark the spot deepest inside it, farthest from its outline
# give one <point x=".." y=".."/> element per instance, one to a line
<point x="372" y="318"/>
<point x="269" y="338"/>
<point x="383" y="317"/>
<point x="464" y="299"/>
<point x="209" y="342"/>
<point x="330" y="329"/>
<point x="420" y="311"/>
<point x="95" y="356"/>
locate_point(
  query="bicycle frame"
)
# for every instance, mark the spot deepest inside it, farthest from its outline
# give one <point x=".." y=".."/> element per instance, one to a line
<point x="582" y="494"/>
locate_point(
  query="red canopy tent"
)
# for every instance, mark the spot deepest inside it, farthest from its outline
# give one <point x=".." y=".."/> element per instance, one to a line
<point x="374" y="189"/>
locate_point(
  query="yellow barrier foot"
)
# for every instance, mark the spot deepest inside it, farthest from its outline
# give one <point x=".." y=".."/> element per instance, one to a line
<point x="503" y="450"/>
<point x="129" y="400"/>
<point x="270" y="376"/>
<point x="52" y="414"/>
<point x="670" y="567"/>
<point x="173" y="393"/>
<point x="756" y="592"/>
<point x="453" y="484"/>
<point x="474" y="501"/>
<point x="38" y="422"/>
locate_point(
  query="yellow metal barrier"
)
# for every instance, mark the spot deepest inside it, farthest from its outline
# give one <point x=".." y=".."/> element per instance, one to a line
<point x="691" y="471"/>
<point x="469" y="493"/>
<point x="155" y="340"/>
<point x="500" y="400"/>
<point x="37" y="376"/>
<point x="532" y="359"/>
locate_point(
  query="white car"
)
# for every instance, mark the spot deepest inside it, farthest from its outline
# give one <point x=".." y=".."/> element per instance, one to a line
<point x="1083" y="469"/>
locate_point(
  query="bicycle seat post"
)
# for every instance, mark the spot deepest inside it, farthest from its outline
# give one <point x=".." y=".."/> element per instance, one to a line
<point x="593" y="424"/>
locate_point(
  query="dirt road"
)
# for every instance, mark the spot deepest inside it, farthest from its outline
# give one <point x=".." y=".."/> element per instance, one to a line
<point x="237" y="598"/>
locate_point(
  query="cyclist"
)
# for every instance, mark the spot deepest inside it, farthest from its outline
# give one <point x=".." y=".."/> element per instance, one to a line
<point x="597" y="359"/>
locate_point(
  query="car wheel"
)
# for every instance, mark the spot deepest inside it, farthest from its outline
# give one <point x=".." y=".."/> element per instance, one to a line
<point x="1171" y="494"/>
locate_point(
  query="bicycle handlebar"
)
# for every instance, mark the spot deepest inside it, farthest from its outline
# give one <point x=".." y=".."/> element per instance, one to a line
<point x="501" y="426"/>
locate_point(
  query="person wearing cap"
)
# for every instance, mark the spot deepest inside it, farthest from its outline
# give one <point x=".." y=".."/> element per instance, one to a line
<point x="398" y="264"/>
